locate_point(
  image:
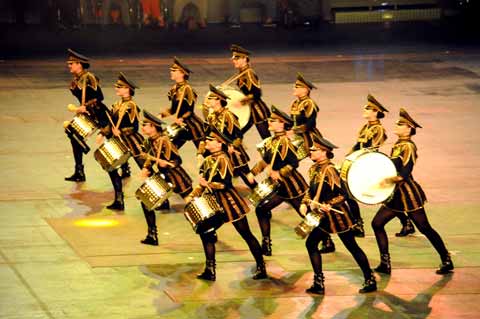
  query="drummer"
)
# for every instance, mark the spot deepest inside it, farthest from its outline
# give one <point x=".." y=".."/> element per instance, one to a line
<point x="216" y="174"/>
<point x="280" y="161"/>
<point x="183" y="98"/>
<point x="124" y="124"/>
<point x="408" y="198"/>
<point x="303" y="111"/>
<point x="326" y="194"/>
<point x="160" y="153"/>
<point x="248" y="82"/>
<point x="226" y="122"/>
<point x="85" y="86"/>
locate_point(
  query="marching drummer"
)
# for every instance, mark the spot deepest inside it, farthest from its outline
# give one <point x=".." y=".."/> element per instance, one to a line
<point x="216" y="174"/>
<point x="85" y="87"/>
<point x="408" y="198"/>
<point x="303" y="111"/>
<point x="183" y="98"/>
<point x="327" y="198"/>
<point x="124" y="124"/>
<point x="248" y="82"/>
<point x="226" y="122"/>
<point x="280" y="161"/>
<point x="161" y="153"/>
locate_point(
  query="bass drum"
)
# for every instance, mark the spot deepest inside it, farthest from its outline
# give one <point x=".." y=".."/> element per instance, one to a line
<point x="233" y="104"/>
<point x="363" y="171"/>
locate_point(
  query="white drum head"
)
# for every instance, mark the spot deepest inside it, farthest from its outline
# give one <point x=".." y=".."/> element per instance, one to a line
<point x="365" y="175"/>
<point x="233" y="104"/>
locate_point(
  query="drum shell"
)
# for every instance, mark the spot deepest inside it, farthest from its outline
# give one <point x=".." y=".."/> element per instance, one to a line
<point x="83" y="126"/>
<point x="309" y="223"/>
<point x="263" y="192"/>
<point x="112" y="154"/>
<point x="154" y="191"/>
<point x="204" y="213"/>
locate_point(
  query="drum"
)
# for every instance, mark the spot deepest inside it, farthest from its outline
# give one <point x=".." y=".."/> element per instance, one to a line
<point x="363" y="170"/>
<point x="302" y="150"/>
<point x="233" y="104"/>
<point x="154" y="191"/>
<point x="263" y="192"/>
<point x="174" y="130"/>
<point x="112" y="154"/>
<point x="82" y="125"/>
<point x="310" y="222"/>
<point x="204" y="213"/>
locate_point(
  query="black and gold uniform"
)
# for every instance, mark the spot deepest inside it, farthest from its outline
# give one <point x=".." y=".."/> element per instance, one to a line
<point x="408" y="197"/>
<point x="85" y="86"/>
<point x="125" y="119"/>
<point x="161" y="156"/>
<point x="304" y="112"/>
<point x="326" y="189"/>
<point x="248" y="82"/>
<point x="183" y="98"/>
<point x="227" y="123"/>
<point x="279" y="156"/>
<point x="217" y="171"/>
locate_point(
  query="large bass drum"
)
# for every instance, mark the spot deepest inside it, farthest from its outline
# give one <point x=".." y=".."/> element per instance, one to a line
<point x="233" y="104"/>
<point x="112" y="154"/>
<point x="263" y="192"/>
<point x="154" y="191"/>
<point x="363" y="171"/>
<point x="204" y="213"/>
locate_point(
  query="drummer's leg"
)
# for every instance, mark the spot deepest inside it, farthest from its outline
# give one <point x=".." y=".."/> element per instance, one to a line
<point x="150" y="218"/>
<point x="118" y="203"/>
<point x="383" y="216"/>
<point x="243" y="229"/>
<point x="79" y="174"/>
<point x="208" y="242"/>
<point x="264" y="216"/>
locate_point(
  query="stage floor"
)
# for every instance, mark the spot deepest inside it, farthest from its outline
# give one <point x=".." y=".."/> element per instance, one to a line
<point x="54" y="264"/>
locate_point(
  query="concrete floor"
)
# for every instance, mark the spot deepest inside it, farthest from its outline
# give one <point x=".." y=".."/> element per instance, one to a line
<point x="50" y="267"/>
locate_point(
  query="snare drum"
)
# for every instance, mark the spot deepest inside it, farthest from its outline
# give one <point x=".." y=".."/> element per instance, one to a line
<point x="154" y="191"/>
<point x="112" y="154"/>
<point x="363" y="170"/>
<point x="309" y="223"/>
<point x="261" y="147"/>
<point x="302" y="150"/>
<point x="82" y="125"/>
<point x="174" y="130"/>
<point x="204" y="213"/>
<point x="263" y="192"/>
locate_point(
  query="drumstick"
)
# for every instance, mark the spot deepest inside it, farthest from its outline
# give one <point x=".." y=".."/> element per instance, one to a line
<point x="332" y="209"/>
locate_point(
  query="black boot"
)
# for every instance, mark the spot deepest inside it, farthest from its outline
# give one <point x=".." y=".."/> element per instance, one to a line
<point x="266" y="246"/>
<point x="78" y="175"/>
<point x="327" y="246"/>
<point x="260" y="272"/>
<point x="318" y="287"/>
<point x="446" y="266"/>
<point x="126" y="171"/>
<point x="384" y="267"/>
<point x="165" y="206"/>
<point x="209" y="272"/>
<point x="118" y="203"/>
<point x="358" y="229"/>
<point x="407" y="229"/>
<point x="152" y="238"/>
<point x="369" y="285"/>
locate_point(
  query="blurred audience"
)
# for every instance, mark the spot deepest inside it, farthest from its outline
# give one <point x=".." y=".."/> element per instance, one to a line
<point x="270" y="8"/>
<point x="153" y="13"/>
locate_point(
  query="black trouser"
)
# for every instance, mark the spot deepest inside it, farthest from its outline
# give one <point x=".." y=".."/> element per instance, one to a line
<point x="262" y="128"/>
<point x="264" y="213"/>
<point x="242" y="227"/>
<point x="77" y="152"/>
<point x="348" y="239"/>
<point x="116" y="181"/>
<point x="419" y="218"/>
<point x="150" y="217"/>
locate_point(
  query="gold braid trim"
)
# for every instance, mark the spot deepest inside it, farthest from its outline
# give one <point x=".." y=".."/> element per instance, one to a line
<point x="259" y="167"/>
<point x="308" y="106"/>
<point x="285" y="171"/>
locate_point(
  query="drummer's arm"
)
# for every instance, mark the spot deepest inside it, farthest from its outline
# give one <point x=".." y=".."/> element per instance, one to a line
<point x="258" y="168"/>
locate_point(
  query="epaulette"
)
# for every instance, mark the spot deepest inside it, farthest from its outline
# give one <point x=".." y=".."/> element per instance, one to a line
<point x="228" y="121"/>
<point x="331" y="176"/>
<point x="282" y="146"/>
<point x="309" y="106"/>
<point x="88" y="79"/>
<point x="405" y="150"/>
<point x="132" y="107"/>
<point x="249" y="79"/>
<point x="185" y="92"/>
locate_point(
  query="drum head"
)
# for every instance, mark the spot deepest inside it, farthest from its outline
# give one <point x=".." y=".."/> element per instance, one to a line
<point x="366" y="173"/>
